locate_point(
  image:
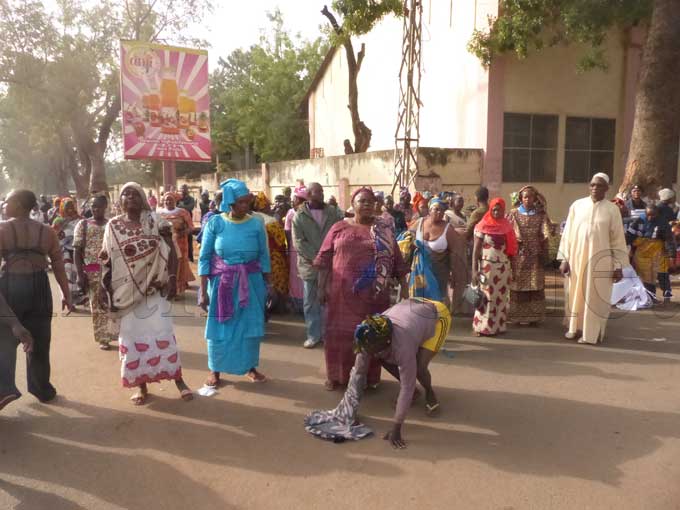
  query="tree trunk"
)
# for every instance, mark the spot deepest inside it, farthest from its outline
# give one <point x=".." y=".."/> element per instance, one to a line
<point x="58" y="169"/>
<point x="362" y="134"/>
<point x="98" y="175"/>
<point x="92" y="151"/>
<point x="79" y="174"/>
<point x="653" y="154"/>
<point x="80" y="179"/>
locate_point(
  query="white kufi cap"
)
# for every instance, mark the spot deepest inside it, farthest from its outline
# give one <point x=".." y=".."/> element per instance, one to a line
<point x="600" y="175"/>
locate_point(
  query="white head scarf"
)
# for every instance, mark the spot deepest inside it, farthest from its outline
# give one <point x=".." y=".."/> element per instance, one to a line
<point x="138" y="188"/>
<point x="666" y="194"/>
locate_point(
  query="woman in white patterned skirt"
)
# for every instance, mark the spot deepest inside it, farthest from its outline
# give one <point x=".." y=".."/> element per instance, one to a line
<point x="139" y="277"/>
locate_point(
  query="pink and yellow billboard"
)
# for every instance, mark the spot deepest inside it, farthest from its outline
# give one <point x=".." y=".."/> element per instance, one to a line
<point x="165" y="102"/>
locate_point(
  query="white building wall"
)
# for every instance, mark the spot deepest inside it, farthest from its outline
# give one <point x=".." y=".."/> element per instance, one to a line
<point x="454" y="86"/>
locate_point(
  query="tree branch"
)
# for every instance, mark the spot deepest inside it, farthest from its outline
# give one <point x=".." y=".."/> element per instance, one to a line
<point x="360" y="56"/>
<point x="109" y="119"/>
<point x="331" y="19"/>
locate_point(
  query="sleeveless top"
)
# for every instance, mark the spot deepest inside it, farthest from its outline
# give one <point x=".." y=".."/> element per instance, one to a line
<point x="439" y="245"/>
<point x="17" y="253"/>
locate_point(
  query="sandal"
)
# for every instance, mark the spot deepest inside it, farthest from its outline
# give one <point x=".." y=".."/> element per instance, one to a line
<point x="104" y="347"/>
<point x="186" y="394"/>
<point x="139" y="398"/>
<point x="213" y="382"/>
<point x="329" y="385"/>
<point x="255" y="376"/>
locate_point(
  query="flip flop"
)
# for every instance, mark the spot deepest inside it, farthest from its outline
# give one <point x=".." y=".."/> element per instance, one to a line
<point x="432" y="410"/>
<point x="256" y="377"/>
<point x="7" y="399"/>
<point x="219" y="383"/>
<point x="186" y="394"/>
<point x="139" y="399"/>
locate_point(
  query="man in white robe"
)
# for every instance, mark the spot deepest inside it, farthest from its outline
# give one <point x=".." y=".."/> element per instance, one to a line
<point x="593" y="253"/>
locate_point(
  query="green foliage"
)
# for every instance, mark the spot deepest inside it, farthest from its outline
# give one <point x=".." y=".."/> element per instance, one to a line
<point x="256" y="94"/>
<point x="59" y="76"/>
<point x="531" y="25"/>
<point x="360" y="16"/>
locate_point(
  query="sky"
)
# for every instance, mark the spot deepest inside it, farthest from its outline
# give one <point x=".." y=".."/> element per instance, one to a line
<point x="236" y="23"/>
<point x="239" y="23"/>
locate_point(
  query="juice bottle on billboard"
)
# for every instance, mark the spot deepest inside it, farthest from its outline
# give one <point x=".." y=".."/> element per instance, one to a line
<point x="169" y="102"/>
<point x="186" y="108"/>
<point x="145" y="107"/>
<point x="203" y="122"/>
<point x="192" y="115"/>
<point x="153" y="106"/>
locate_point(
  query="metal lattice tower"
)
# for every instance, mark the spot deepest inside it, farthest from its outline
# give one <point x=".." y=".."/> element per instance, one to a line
<point x="407" y="135"/>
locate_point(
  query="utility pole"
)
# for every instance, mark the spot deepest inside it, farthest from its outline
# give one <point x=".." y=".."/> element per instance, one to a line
<point x="407" y="136"/>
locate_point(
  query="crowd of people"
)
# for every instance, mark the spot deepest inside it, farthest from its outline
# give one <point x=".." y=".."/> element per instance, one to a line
<point x="407" y="266"/>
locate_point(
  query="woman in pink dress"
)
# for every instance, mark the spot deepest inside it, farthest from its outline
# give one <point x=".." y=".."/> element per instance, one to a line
<point x="357" y="263"/>
<point x="295" y="287"/>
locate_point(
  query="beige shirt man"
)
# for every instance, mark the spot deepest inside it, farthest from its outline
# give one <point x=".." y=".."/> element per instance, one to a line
<point x="593" y="253"/>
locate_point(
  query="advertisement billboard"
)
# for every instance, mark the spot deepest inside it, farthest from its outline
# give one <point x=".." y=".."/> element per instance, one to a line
<point x="164" y="102"/>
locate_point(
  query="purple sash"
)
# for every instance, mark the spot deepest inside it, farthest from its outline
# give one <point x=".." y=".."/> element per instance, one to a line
<point x="227" y="274"/>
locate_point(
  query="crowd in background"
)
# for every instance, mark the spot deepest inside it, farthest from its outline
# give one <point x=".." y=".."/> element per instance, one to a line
<point x="300" y="253"/>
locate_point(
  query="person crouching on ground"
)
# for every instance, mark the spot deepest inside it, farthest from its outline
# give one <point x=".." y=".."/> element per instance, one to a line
<point x="652" y="242"/>
<point x="404" y="338"/>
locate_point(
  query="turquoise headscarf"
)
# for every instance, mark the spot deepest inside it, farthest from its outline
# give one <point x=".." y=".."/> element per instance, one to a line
<point x="232" y="190"/>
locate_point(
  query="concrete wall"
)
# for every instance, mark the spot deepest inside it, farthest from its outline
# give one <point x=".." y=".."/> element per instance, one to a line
<point x="442" y="170"/>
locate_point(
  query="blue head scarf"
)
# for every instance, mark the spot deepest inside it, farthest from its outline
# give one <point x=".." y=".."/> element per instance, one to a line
<point x="436" y="201"/>
<point x="232" y="190"/>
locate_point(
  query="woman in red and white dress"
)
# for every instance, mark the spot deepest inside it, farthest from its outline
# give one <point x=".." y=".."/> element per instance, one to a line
<point x="139" y="277"/>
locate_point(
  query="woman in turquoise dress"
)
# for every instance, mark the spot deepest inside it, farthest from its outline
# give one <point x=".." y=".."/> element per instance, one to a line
<point x="234" y="266"/>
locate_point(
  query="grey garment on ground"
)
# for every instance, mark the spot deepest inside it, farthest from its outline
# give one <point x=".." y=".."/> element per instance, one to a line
<point x="340" y="424"/>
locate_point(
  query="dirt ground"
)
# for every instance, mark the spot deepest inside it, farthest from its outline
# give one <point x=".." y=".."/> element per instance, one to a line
<point x="529" y="421"/>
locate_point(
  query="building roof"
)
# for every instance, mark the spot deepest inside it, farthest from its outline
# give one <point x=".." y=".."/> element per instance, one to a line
<point x="304" y="102"/>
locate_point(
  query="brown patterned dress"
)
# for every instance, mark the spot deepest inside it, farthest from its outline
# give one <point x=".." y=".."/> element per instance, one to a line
<point x="527" y="294"/>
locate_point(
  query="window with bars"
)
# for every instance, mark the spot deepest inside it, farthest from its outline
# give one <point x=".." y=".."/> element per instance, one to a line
<point x="589" y="148"/>
<point x="529" y="147"/>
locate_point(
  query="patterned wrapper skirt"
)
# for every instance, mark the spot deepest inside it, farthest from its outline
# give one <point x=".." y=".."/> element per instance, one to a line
<point x="527" y="306"/>
<point x="104" y="329"/>
<point x="147" y="345"/>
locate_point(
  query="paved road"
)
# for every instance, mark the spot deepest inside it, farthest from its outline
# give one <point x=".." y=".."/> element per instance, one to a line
<point x="529" y="421"/>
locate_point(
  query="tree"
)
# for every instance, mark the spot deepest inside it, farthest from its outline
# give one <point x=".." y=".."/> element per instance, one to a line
<point x="256" y="93"/>
<point x="653" y="154"/>
<point x="61" y="70"/>
<point x="358" y="18"/>
<point x="531" y="25"/>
